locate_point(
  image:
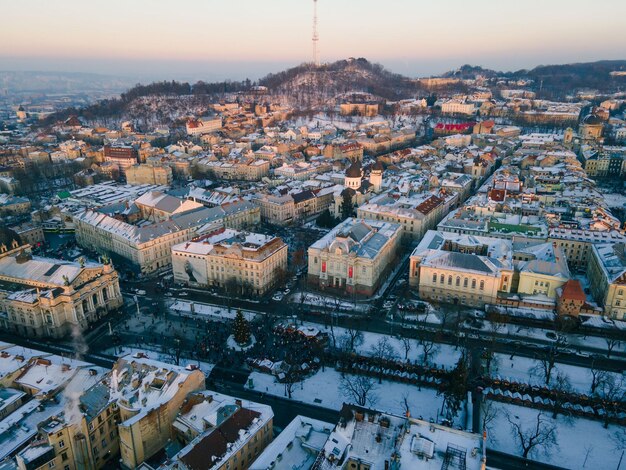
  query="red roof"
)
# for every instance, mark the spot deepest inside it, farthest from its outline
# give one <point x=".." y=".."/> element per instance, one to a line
<point x="572" y="290"/>
<point x="215" y="445"/>
<point x="454" y="127"/>
<point x="429" y="204"/>
<point x="497" y="195"/>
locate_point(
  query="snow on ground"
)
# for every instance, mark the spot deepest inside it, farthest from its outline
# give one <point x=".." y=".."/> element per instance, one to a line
<point x="320" y="300"/>
<point x="576" y="439"/>
<point x="184" y="307"/>
<point x="232" y="344"/>
<point x="430" y="318"/>
<point x="324" y="389"/>
<point x="518" y="369"/>
<point x="615" y="200"/>
<point x="120" y="351"/>
<point x="444" y="354"/>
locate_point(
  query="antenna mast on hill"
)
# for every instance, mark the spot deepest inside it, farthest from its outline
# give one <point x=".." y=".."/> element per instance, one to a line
<point x="316" y="38"/>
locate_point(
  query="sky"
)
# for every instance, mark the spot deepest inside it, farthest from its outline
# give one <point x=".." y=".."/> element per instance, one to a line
<point x="235" y="39"/>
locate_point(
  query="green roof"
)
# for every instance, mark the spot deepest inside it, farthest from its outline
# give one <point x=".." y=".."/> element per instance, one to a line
<point x="64" y="194"/>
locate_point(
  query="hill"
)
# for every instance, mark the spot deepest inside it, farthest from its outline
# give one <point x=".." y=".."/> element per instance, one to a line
<point x="307" y="85"/>
<point x="304" y="86"/>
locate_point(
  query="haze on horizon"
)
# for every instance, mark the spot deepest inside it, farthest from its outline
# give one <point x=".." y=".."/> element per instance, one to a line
<point x="216" y="40"/>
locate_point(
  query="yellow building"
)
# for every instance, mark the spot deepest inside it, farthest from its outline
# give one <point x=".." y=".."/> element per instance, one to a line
<point x="249" y="263"/>
<point x="149" y="174"/>
<point x="461" y="269"/>
<point x="148" y="247"/>
<point x="354" y="257"/>
<point x="148" y="394"/>
<point x="607" y="278"/>
<point x="49" y="297"/>
<point x="542" y="269"/>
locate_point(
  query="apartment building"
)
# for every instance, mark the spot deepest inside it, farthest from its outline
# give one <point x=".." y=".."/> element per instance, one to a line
<point x="607" y="278"/>
<point x="203" y="125"/>
<point x="220" y="432"/>
<point x="149" y="174"/>
<point x="147" y="247"/>
<point x="250" y="262"/>
<point x="124" y="156"/>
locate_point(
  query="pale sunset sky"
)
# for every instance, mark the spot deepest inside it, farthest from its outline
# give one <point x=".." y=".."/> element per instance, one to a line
<point x="233" y="39"/>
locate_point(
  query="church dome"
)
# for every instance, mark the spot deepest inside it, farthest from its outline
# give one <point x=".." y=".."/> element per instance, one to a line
<point x="592" y="120"/>
<point x="354" y="170"/>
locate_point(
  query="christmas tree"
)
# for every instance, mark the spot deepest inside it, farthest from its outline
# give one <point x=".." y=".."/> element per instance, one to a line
<point x="241" y="329"/>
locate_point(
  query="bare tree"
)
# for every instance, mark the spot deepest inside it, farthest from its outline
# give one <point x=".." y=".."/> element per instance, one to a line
<point x="358" y="388"/>
<point x="540" y="435"/>
<point x="611" y="343"/>
<point x="407" y="345"/>
<point x="290" y="382"/>
<point x="381" y="352"/>
<point x="429" y="349"/>
<point x="562" y="386"/>
<point x="351" y="339"/>
<point x="545" y="364"/>
<point x="598" y="376"/>
<point x="489" y="411"/>
<point x="610" y="394"/>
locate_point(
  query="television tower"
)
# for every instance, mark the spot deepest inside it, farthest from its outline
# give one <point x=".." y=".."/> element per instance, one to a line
<point x="316" y="38"/>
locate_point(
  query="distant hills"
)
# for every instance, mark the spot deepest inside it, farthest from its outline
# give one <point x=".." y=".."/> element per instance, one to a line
<point x="308" y="86"/>
<point x="563" y="78"/>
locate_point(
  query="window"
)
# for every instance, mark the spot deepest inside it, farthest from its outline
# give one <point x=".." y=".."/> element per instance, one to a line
<point x="64" y="456"/>
<point x="620" y="292"/>
<point x="51" y="464"/>
<point x="482" y="285"/>
<point x="473" y="283"/>
<point x="104" y="443"/>
<point x="442" y="279"/>
<point x="458" y="281"/>
<point x="61" y="443"/>
<point x="449" y="280"/>
<point x="435" y="277"/>
<point x="465" y="281"/>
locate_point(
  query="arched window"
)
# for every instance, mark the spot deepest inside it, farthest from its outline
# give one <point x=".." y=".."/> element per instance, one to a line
<point x="465" y="281"/>
<point x="449" y="280"/>
<point x="473" y="283"/>
<point x="442" y="279"/>
<point x="458" y="281"/>
<point x="94" y="298"/>
<point x="482" y="285"/>
<point x="434" y="277"/>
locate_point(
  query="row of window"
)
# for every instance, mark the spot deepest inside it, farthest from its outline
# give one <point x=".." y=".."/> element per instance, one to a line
<point x="457" y="283"/>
